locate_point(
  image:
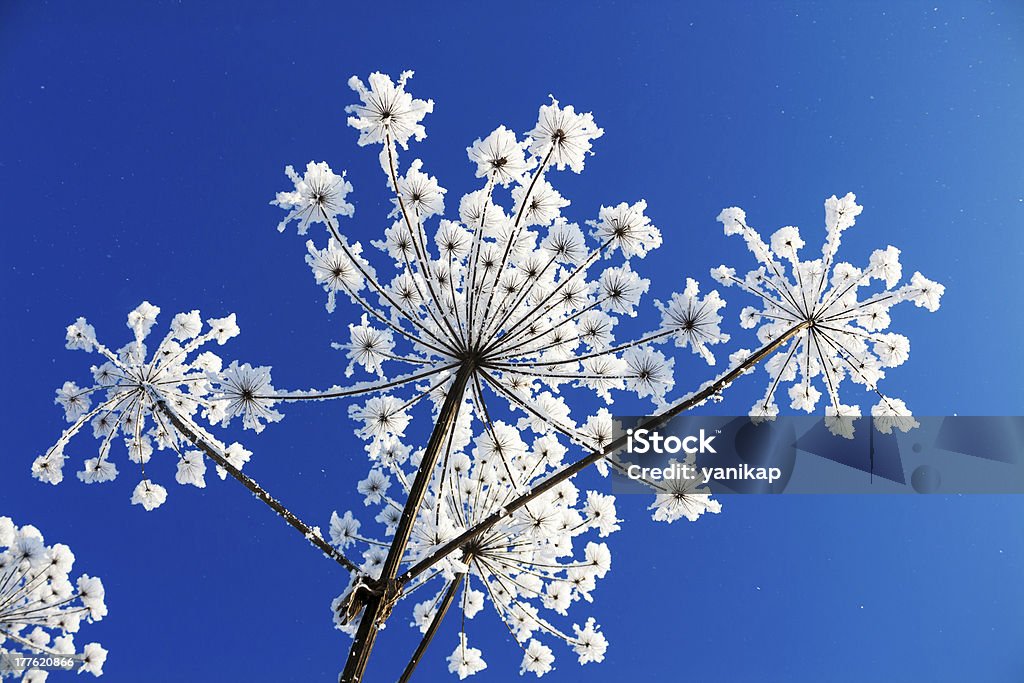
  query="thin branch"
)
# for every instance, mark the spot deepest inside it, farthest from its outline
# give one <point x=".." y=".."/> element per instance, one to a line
<point x="415" y="320"/>
<point x="474" y="253"/>
<point x="497" y="340"/>
<point x="363" y="388"/>
<point x="442" y="609"/>
<point x="194" y="433"/>
<point x="595" y="354"/>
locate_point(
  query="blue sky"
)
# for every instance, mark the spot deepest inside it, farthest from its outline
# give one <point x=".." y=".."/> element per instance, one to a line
<point x="142" y="143"/>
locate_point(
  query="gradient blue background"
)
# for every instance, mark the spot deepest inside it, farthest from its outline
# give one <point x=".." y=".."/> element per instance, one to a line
<point x="139" y="148"/>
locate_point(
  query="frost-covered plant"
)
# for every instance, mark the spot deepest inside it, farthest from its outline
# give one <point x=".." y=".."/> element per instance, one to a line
<point x="498" y="323"/>
<point x="152" y="402"/>
<point x="127" y="389"/>
<point x="499" y="317"/>
<point x="843" y="332"/>
<point x="41" y="610"/>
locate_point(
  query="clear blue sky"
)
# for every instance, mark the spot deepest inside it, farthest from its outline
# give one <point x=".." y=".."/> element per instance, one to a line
<point x="140" y="147"/>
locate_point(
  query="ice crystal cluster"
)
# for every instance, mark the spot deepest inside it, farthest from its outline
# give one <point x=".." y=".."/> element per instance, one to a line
<point x="497" y="318"/>
<point x="41" y="610"/>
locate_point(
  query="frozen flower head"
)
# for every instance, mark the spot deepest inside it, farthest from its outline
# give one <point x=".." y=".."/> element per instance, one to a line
<point x="368" y="347"/>
<point x="337" y="269"/>
<point x="135" y="396"/>
<point x="419" y="193"/>
<point x="245" y="391"/>
<point x="319" y="196"/>
<point x="465" y="661"/>
<point x="530" y="569"/>
<point x="626" y="228"/>
<point x="500" y="156"/>
<point x="564" y="136"/>
<point x="694" y="321"/>
<point x="833" y="322"/>
<point x="387" y="111"/>
<point x="149" y="495"/>
<point x="537" y="659"/>
<point x="590" y="643"/>
<point x="41" y="609"/>
<point x="682" y="497"/>
<point x="492" y="321"/>
<point x="539" y="205"/>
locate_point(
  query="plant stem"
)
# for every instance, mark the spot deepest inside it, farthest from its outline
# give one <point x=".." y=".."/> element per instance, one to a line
<point x="193" y="434"/>
<point x="386" y="589"/>
<point x="442" y="609"/>
<point x="573" y="469"/>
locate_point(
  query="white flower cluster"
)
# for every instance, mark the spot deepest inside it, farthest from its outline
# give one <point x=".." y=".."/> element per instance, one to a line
<point x="516" y="290"/>
<point x="41" y="610"/>
<point x="132" y="392"/>
<point x="317" y="193"/>
<point x="524" y="301"/>
<point x="530" y="567"/>
<point x="842" y="328"/>
<point x="682" y="497"/>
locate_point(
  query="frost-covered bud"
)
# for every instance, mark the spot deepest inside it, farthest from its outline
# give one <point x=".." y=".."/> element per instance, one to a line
<point x="540" y="206"/>
<point x="840" y="214"/>
<point x="149" y="495"/>
<point x="242" y="390"/>
<point x="387" y="110"/>
<point x="693" y="321"/>
<point x="563" y="135"/>
<point x="537" y="659"/>
<point x="465" y="660"/>
<point x="81" y="335"/>
<point x="627" y="228"/>
<point x="786" y="242"/>
<point x="318" y="197"/>
<point x="500" y="156"/>
<point x="186" y="326"/>
<point x="733" y="220"/>
<point x="142" y="319"/>
<point x="419" y="193"/>
<point x="924" y="292"/>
